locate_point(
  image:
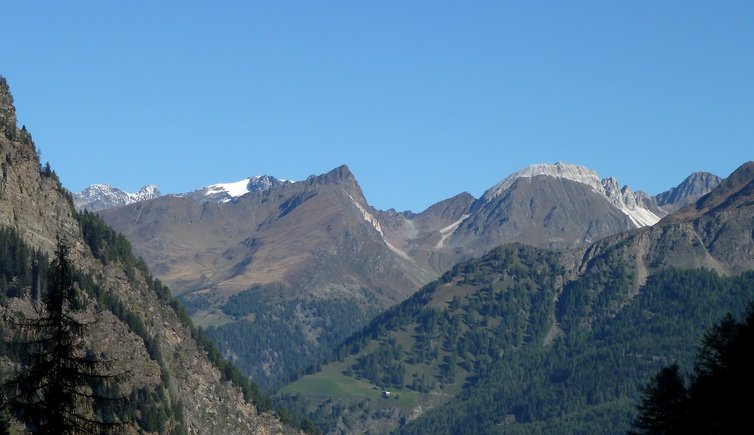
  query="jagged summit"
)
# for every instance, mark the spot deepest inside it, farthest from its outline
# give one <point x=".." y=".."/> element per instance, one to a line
<point x="337" y="175"/>
<point x="734" y="192"/>
<point x="101" y="196"/>
<point x="148" y="192"/>
<point x="691" y="189"/>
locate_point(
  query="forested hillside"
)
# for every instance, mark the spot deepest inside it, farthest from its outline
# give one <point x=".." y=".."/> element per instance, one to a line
<point x="591" y="380"/>
<point x="524" y="340"/>
<point x="263" y="331"/>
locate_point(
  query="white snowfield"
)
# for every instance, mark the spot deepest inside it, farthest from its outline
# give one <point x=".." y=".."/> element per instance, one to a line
<point x="239" y="188"/>
<point x="624" y="199"/>
<point x="234" y="189"/>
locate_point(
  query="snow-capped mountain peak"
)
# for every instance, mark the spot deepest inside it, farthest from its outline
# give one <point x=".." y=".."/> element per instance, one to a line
<point x="147" y="192"/>
<point x="101" y="196"/>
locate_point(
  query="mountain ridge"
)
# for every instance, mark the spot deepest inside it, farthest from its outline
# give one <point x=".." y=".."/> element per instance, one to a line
<point x="320" y="240"/>
<point x="622" y="197"/>
<point x="101" y="196"/>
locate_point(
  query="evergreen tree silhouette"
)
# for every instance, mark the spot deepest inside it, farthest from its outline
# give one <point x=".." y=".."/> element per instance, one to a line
<point x="663" y="407"/>
<point x="55" y="390"/>
<point x="718" y="398"/>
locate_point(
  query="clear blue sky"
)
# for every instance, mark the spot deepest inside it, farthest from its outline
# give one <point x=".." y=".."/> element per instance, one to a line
<point x="422" y="99"/>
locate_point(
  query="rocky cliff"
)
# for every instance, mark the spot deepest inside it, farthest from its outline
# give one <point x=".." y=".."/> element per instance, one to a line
<point x="33" y="203"/>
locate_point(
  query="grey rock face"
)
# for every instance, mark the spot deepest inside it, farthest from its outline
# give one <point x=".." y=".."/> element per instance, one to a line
<point x="691" y="189"/>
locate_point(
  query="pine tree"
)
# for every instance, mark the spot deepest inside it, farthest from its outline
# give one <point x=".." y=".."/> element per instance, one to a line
<point x="55" y="391"/>
<point x="717" y="398"/>
<point x="662" y="410"/>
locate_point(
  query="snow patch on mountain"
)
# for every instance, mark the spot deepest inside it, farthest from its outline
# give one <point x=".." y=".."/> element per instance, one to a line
<point x="627" y="201"/>
<point x="226" y="192"/>
<point x="232" y="190"/>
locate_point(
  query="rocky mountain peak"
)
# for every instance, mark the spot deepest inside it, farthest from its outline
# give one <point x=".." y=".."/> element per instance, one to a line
<point x="612" y="187"/>
<point x="148" y="192"/>
<point x="692" y="188"/>
<point x="733" y="192"/>
<point x="634" y="204"/>
<point x="7" y="110"/>
<point x="338" y="175"/>
<point x="341" y="176"/>
<point x="564" y="170"/>
<point x="262" y="182"/>
<point x="744" y="174"/>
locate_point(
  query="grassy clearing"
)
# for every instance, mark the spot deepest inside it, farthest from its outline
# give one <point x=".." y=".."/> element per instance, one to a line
<point x="332" y="383"/>
<point x="210" y="317"/>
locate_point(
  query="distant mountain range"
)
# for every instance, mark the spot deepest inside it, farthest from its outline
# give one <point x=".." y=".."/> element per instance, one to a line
<point x="641" y="209"/>
<point x="103" y="196"/>
<point x="320" y="240"/>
